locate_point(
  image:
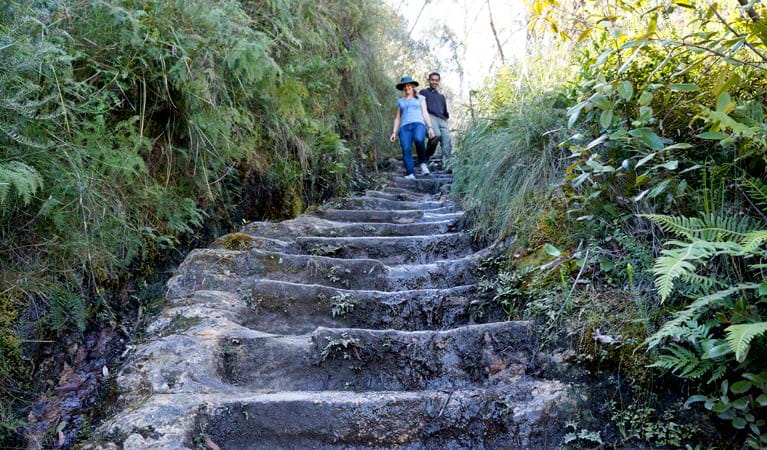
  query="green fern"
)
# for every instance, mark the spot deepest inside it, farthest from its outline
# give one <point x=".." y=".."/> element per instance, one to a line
<point x="753" y="240"/>
<point x="676" y="327"/>
<point x="25" y="181"/>
<point x="17" y="137"/>
<point x="66" y="310"/>
<point x="739" y="337"/>
<point x="683" y="259"/>
<point x="710" y="227"/>
<point x="756" y="190"/>
<point x="682" y="362"/>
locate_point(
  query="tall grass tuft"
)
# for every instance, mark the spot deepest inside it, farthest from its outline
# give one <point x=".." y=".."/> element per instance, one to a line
<point x="511" y="151"/>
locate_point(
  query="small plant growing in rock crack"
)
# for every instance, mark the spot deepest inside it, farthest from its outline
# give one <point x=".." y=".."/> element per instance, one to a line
<point x="342" y="304"/>
<point x="324" y="250"/>
<point x="504" y="407"/>
<point x="507" y="291"/>
<point x="477" y="309"/>
<point x="640" y="423"/>
<point x="343" y="345"/>
<point x="334" y="277"/>
<point x="576" y="434"/>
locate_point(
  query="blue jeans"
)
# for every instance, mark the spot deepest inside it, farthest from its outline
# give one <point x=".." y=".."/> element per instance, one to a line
<point x="412" y="132"/>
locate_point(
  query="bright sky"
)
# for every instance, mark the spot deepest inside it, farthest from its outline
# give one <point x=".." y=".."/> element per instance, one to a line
<point x="469" y="20"/>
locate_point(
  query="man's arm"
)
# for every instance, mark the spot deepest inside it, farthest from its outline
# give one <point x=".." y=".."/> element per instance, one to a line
<point x="444" y="103"/>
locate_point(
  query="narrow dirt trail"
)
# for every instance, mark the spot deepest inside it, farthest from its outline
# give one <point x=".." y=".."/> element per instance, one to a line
<point x="355" y="326"/>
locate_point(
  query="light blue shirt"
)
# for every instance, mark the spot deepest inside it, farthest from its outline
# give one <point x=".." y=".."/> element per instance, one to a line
<point x="410" y="110"/>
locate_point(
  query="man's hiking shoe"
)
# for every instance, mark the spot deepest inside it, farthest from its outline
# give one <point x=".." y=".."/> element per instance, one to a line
<point x="424" y="169"/>
<point x="410" y="177"/>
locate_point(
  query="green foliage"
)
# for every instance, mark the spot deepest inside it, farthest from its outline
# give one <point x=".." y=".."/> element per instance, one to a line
<point x="664" y="120"/>
<point x="641" y="423"/>
<point x="714" y="349"/>
<point x="124" y="122"/>
<point x="24" y="180"/>
<point x="67" y="311"/>
<point x="125" y="125"/>
<point x="739" y="337"/>
<point x="511" y="152"/>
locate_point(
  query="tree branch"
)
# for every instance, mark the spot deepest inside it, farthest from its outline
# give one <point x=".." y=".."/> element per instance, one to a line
<point x="746" y="4"/>
<point x="732" y="30"/>
<point x="708" y="50"/>
<point x="425" y="2"/>
<point x="495" y="34"/>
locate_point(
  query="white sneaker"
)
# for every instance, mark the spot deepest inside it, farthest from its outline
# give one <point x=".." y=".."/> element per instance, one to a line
<point x="424" y="169"/>
<point x="410" y="177"/>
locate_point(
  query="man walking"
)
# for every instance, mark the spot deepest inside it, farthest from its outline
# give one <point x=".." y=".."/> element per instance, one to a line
<point x="437" y="107"/>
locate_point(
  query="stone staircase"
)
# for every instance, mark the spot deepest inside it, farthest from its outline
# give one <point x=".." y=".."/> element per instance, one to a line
<point x="359" y="325"/>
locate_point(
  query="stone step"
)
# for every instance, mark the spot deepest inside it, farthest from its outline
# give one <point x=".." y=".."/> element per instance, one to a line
<point x="425" y="185"/>
<point x="230" y="271"/>
<point x="280" y="307"/>
<point x="289" y="308"/>
<point x="202" y="350"/>
<point x="378" y="420"/>
<point x="390" y="250"/>
<point x="399" y="196"/>
<point x="388" y="216"/>
<point x="526" y="414"/>
<point x="404" y="191"/>
<point x="380" y="360"/>
<point x="380" y="203"/>
<point x="315" y="226"/>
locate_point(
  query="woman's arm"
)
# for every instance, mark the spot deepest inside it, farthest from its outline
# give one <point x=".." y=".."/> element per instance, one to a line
<point x="397" y="119"/>
<point x="427" y="119"/>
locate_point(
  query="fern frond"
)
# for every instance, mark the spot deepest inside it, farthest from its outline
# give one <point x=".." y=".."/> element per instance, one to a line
<point x="66" y="310"/>
<point x="675" y="327"/>
<point x="24" y="179"/>
<point x="682" y="362"/>
<point x="756" y="190"/>
<point x="719" y="371"/>
<point x="753" y="240"/>
<point x="15" y="136"/>
<point x="30" y="108"/>
<point x="709" y="227"/>
<point x="739" y="337"/>
<point x="702" y="283"/>
<point x="681" y="260"/>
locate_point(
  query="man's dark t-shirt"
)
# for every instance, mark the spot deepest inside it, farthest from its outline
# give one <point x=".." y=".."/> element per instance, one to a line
<point x="435" y="103"/>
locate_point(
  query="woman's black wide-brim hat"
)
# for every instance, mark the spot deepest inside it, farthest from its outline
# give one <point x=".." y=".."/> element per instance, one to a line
<point x="405" y="80"/>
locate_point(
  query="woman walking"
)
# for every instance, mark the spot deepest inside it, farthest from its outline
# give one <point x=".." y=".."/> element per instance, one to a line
<point x="412" y="122"/>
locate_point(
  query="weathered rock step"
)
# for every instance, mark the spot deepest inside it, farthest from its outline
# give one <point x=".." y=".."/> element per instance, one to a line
<point x="289" y="308"/>
<point x="377" y="360"/>
<point x="403" y="191"/>
<point x="425" y="185"/>
<point x="433" y="175"/>
<point x="389" y="216"/>
<point x="279" y="307"/>
<point x="505" y="417"/>
<point x="401" y="196"/>
<point x="365" y="202"/>
<point x="227" y="270"/>
<point x="463" y="419"/>
<point x="314" y="226"/>
<point x="390" y="250"/>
